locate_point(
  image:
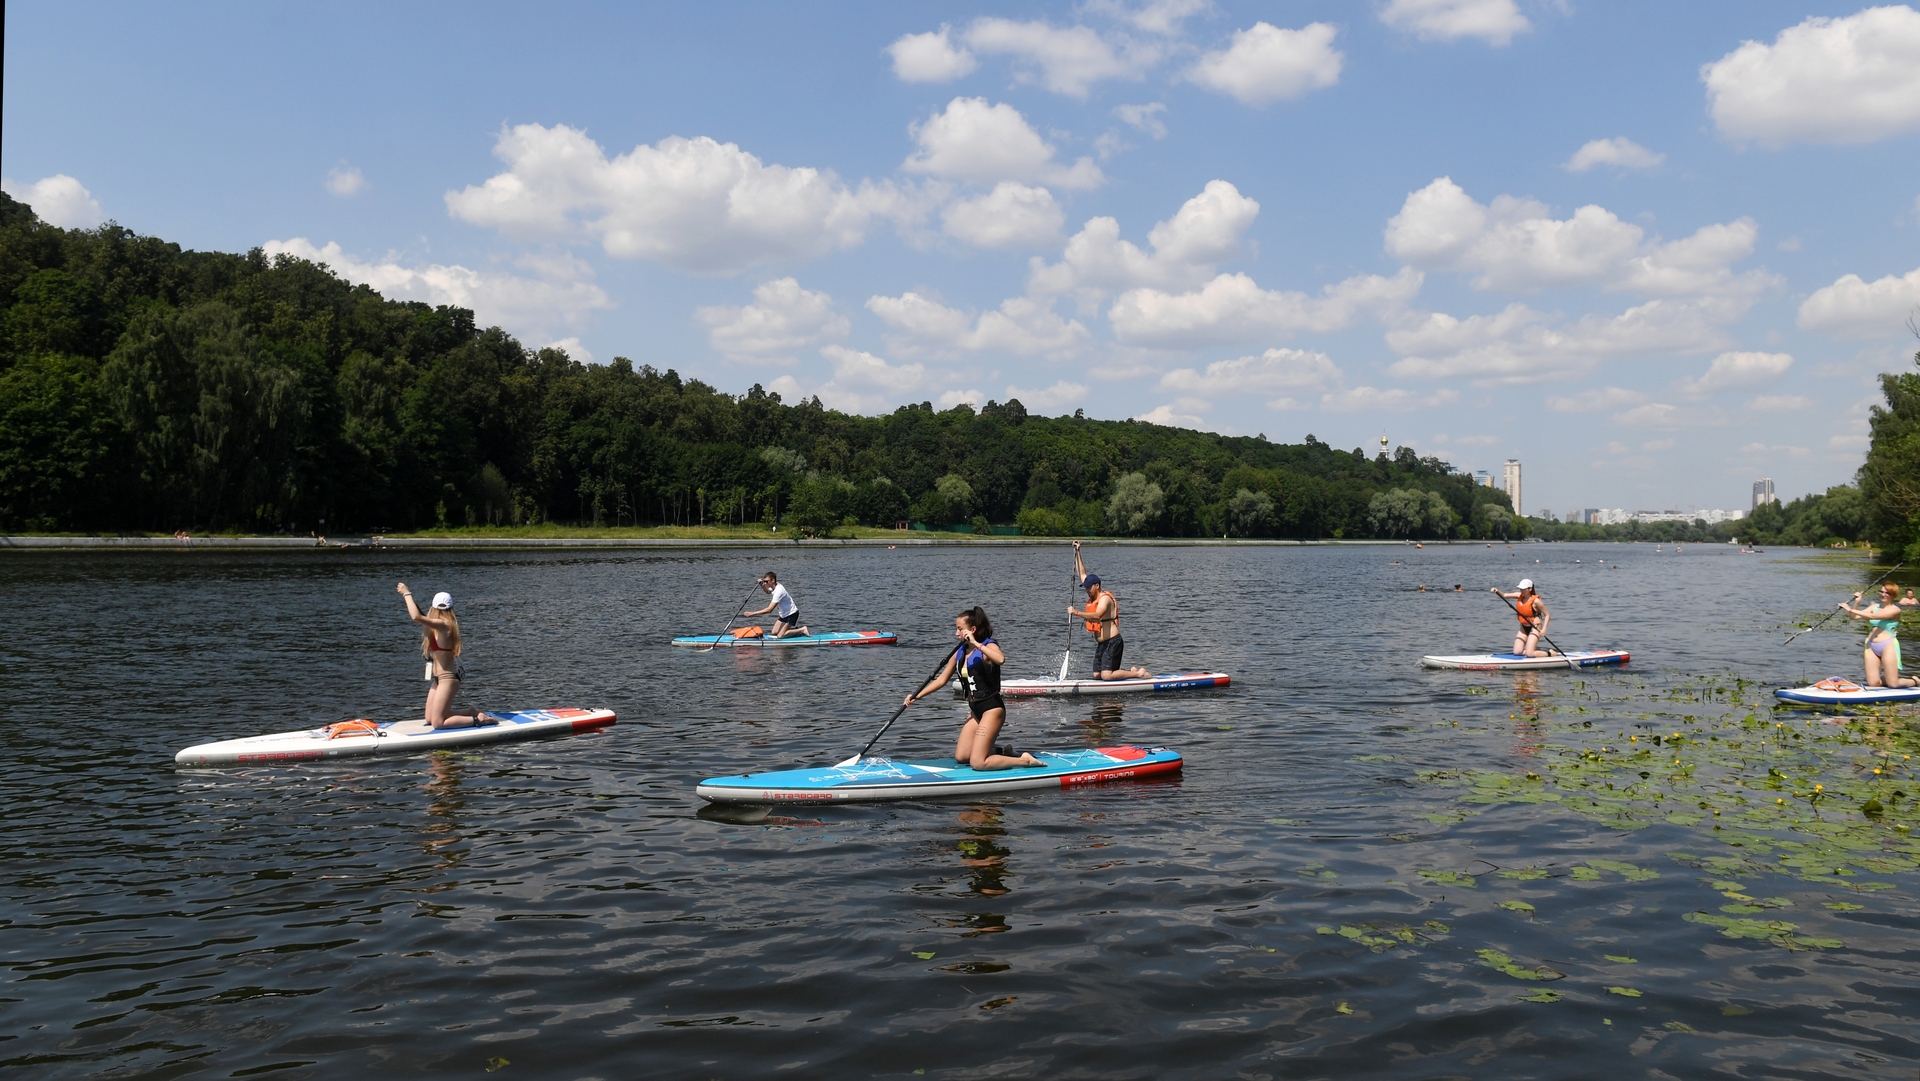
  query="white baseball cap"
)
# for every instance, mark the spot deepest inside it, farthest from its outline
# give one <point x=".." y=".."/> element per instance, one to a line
<point x="445" y="600"/>
<point x="1525" y="583"/>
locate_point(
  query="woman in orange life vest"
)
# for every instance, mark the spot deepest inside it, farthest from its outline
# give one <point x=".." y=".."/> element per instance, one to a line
<point x="1103" y="622"/>
<point x="441" y="645"/>
<point x="980" y="659"/>
<point x="1533" y="620"/>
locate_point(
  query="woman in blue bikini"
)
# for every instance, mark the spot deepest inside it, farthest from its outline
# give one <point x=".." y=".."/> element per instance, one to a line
<point x="1883" y="637"/>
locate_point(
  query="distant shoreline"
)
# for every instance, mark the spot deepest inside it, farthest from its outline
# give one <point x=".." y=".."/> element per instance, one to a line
<point x="457" y="542"/>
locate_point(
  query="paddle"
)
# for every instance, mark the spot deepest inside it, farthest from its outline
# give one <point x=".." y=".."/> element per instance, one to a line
<point x="1073" y="594"/>
<point x="1571" y="663"/>
<point x="855" y="760"/>
<point x="1830" y="615"/>
<point x="737" y="609"/>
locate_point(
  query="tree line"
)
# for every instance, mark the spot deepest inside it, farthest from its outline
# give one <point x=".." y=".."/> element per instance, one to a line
<point x="148" y="388"/>
<point x="145" y="388"/>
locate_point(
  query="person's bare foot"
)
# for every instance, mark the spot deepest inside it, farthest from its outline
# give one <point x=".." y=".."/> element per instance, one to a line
<point x="1027" y="759"/>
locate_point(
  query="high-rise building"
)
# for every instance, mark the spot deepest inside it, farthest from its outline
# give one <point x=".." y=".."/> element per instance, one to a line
<point x="1763" y="493"/>
<point x="1590" y="515"/>
<point x="1513" y="484"/>
<point x="1481" y="476"/>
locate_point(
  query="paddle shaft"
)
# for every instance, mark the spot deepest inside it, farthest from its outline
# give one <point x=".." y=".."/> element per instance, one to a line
<point x="1073" y="594"/>
<point x="737" y="609"/>
<point x="1831" y="614"/>
<point x="903" y="707"/>
<point x="1543" y="637"/>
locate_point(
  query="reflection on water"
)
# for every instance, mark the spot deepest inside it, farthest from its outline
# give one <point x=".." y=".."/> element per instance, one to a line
<point x="1366" y="869"/>
<point x="982" y="851"/>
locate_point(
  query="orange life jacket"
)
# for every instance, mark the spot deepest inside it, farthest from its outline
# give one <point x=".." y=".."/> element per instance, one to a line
<point x="1525" y="611"/>
<point x="749" y="632"/>
<point x="1093" y="625"/>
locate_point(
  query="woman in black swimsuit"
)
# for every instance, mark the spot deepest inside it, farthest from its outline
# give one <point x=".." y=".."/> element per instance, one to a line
<point x="980" y="674"/>
<point x="441" y="645"/>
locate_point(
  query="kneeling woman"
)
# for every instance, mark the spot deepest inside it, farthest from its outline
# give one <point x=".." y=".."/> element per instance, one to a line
<point x="979" y="660"/>
<point x="441" y="645"/>
<point x="1883" y="637"/>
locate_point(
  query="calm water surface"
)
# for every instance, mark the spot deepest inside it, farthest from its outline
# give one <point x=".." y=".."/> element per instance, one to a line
<point x="1367" y="869"/>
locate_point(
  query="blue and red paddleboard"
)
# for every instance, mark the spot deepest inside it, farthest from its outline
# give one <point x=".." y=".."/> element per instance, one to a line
<point x="886" y="778"/>
<point x="823" y="638"/>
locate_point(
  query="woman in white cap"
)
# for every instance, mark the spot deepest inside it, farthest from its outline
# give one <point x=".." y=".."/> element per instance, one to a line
<point x="440" y="643"/>
<point x="1533" y="620"/>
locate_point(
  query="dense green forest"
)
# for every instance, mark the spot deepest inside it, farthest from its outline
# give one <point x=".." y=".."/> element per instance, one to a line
<point x="147" y="388"/>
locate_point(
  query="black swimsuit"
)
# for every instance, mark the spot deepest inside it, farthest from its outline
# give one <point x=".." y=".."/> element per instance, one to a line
<point x="981" y="677"/>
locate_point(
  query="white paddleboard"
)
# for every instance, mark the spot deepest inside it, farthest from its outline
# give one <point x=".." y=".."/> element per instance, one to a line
<point x="357" y="739"/>
<point x="1184" y="681"/>
<point x="1496" y="662"/>
<point x="1845" y="692"/>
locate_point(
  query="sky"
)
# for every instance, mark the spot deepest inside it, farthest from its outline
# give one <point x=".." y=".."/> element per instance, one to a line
<point x="1654" y="251"/>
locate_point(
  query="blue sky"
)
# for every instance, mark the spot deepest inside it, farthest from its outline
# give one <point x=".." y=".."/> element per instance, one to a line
<point x="1653" y="250"/>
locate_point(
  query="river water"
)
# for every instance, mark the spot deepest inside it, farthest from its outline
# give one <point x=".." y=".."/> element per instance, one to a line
<point x="1367" y="869"/>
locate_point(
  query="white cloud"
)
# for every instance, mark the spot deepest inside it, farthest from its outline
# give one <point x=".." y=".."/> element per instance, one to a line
<point x="1265" y="63"/>
<point x="1021" y="325"/>
<point x="1264" y="373"/>
<point x="58" y="200"/>
<point x="1853" y="308"/>
<point x="346" y="180"/>
<point x="1161" y="17"/>
<point x="1737" y="371"/>
<point x="1593" y="401"/>
<point x="1207" y="230"/>
<point x="1169" y="415"/>
<point x="1013" y="215"/>
<point x="866" y="370"/>
<point x="1146" y="118"/>
<point x="973" y="140"/>
<point x="1477" y="440"/>
<point x="1060" y="394"/>
<point x="1655" y="445"/>
<point x="692" y="204"/>
<point x="1779" y="403"/>
<point x="949" y="399"/>
<point x="1855" y="443"/>
<point x="1232" y="308"/>
<point x="1069" y="59"/>
<point x="1492" y="21"/>
<point x="1662" y="415"/>
<point x="861" y="383"/>
<point x="1762" y="448"/>
<point x="572" y="348"/>
<point x="1396" y="400"/>
<point x="1518" y="345"/>
<point x="930" y="58"/>
<point x="560" y="291"/>
<point x="782" y="318"/>
<point x="1848" y="80"/>
<point x="1515" y="245"/>
<point x="1623" y="152"/>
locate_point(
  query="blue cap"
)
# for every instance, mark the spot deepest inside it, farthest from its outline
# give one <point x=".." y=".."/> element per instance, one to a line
<point x="1090" y="580"/>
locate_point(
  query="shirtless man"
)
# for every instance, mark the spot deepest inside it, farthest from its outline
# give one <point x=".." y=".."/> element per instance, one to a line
<point x="786" y="614"/>
<point x="1533" y="620"/>
<point x="1103" y="619"/>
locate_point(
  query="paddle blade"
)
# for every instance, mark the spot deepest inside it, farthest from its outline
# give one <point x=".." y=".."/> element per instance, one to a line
<point x="1064" y="662"/>
<point x="854" y="761"/>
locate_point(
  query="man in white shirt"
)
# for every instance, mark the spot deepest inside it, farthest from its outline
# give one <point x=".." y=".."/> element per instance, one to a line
<point x="786" y="614"/>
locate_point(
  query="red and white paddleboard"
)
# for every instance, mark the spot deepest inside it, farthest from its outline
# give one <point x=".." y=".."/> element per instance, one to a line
<point x="1184" y="681"/>
<point x="359" y="739"/>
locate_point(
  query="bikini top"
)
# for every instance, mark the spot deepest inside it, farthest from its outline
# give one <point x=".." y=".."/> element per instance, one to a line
<point x="1891" y="626"/>
<point x="433" y="643"/>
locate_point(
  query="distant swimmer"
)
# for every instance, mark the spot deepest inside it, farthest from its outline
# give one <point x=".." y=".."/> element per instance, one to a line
<point x="441" y="645"/>
<point x="1102" y="615"/>
<point x="786" y="614"/>
<point x="1533" y="620"/>
<point x="978" y="659"/>
<point x="1882" y="654"/>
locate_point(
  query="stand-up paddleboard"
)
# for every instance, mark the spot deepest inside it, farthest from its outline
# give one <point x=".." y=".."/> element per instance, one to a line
<point x="885" y="778"/>
<point x="1845" y="692"/>
<point x="1496" y="662"/>
<point x="355" y="739"/>
<point x="1184" y="681"/>
<point x="825" y="638"/>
